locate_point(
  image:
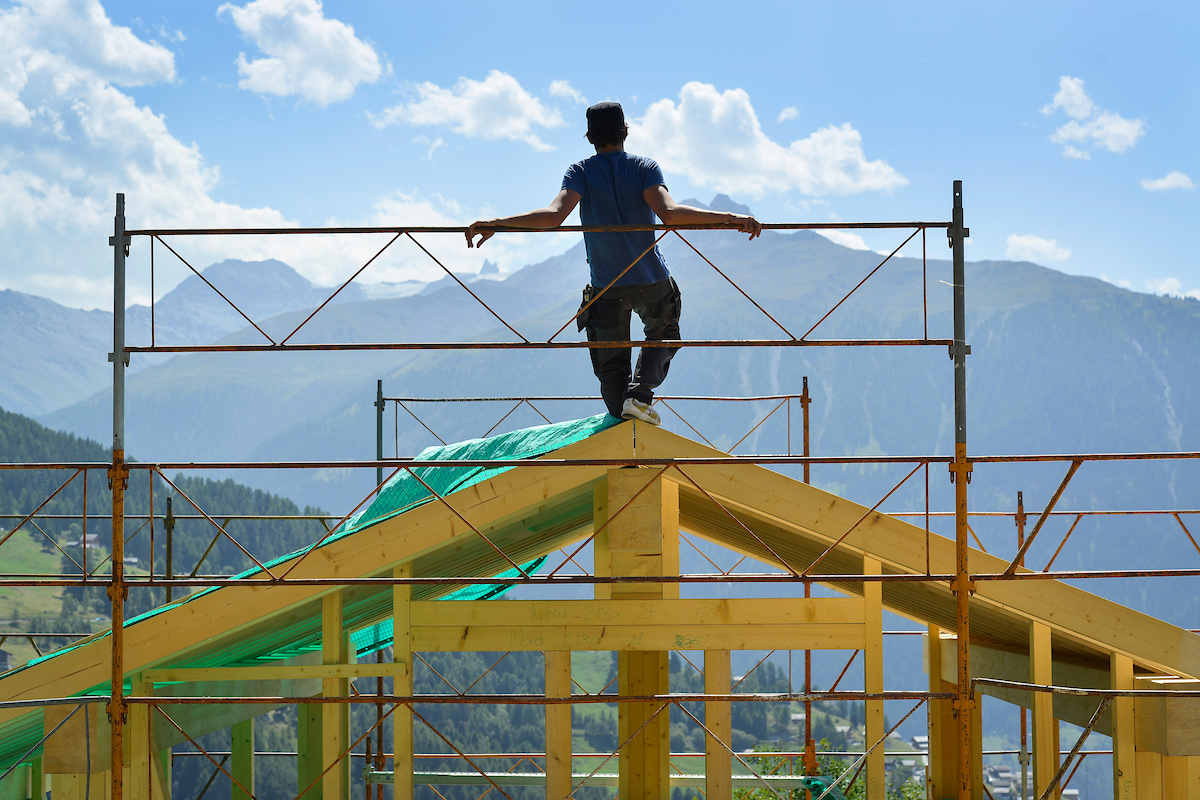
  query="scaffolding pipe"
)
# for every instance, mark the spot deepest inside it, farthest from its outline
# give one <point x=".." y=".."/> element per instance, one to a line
<point x="961" y="467"/>
<point x="117" y="477"/>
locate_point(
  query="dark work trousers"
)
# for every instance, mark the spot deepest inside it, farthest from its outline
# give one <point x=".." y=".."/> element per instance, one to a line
<point x="657" y="305"/>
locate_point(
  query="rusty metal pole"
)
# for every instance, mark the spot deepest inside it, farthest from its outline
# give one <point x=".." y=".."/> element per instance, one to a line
<point x="379" y="403"/>
<point x="805" y="400"/>
<point x="964" y="703"/>
<point x="118" y="476"/>
<point x="810" y="746"/>
<point x="169" y="527"/>
<point x="1023" y="756"/>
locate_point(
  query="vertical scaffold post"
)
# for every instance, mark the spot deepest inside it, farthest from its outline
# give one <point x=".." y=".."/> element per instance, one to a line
<point x="810" y="745"/>
<point x="379" y="430"/>
<point x="118" y="475"/>
<point x="169" y="527"/>
<point x="964" y="704"/>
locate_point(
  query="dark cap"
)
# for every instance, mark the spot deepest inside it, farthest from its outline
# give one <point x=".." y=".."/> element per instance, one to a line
<point x="605" y="117"/>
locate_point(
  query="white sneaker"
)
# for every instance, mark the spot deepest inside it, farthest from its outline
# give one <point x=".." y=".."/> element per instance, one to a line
<point x="636" y="409"/>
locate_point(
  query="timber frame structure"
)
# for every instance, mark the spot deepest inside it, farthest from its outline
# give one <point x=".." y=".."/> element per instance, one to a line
<point x="628" y="492"/>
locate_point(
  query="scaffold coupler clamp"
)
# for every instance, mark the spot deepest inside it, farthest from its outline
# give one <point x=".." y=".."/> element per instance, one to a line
<point x="122" y="707"/>
<point x="952" y="347"/>
<point x="950" y="231"/>
<point x="970" y="586"/>
<point x="120" y="473"/>
<point x="125" y="240"/>
<point x="112" y="357"/>
<point x="955" y="468"/>
<point x="966" y="703"/>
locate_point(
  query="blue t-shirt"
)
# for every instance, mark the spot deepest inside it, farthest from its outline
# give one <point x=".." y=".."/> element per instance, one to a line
<point x="611" y="186"/>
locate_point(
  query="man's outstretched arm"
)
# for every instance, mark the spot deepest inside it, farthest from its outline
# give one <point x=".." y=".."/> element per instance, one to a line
<point x="549" y="217"/>
<point x="672" y="213"/>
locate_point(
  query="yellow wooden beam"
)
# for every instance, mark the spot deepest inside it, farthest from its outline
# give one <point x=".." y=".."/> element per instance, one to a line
<point x="602" y="559"/>
<point x="1045" y="750"/>
<point x="266" y="673"/>
<point x="818" y="515"/>
<point x="1175" y="783"/>
<point x="873" y="680"/>
<point x="176" y="632"/>
<point x="941" y="774"/>
<point x="402" y="657"/>
<point x="641" y="613"/>
<point x="137" y="731"/>
<point x="335" y="783"/>
<point x="1124" y="731"/>
<point x="66" y="751"/>
<point x="308" y="741"/>
<point x="242" y="758"/>
<point x="558" y="724"/>
<point x="633" y="637"/>
<point x="643" y="529"/>
<point x="718" y="763"/>
<point x="1149" y="777"/>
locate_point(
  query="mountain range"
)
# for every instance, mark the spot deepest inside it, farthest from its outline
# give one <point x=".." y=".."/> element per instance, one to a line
<point x="1060" y="363"/>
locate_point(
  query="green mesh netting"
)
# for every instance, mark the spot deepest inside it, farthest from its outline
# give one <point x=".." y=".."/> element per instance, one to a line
<point x="403" y="493"/>
<point x="400" y="494"/>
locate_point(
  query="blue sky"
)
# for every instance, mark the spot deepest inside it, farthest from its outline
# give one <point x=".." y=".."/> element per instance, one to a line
<point x="1072" y="125"/>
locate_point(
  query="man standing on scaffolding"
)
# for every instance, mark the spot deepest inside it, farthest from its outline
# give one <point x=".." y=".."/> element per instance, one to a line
<point x="628" y="272"/>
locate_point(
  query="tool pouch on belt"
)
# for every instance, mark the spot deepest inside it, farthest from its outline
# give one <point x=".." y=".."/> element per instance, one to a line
<point x="581" y="321"/>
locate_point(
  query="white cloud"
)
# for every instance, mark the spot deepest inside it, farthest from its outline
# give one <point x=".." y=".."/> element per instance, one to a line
<point x="1034" y="248"/>
<point x="715" y="140"/>
<point x="565" y="90"/>
<point x="1090" y="125"/>
<point x="845" y="239"/>
<point x="1173" y="180"/>
<point x="309" y="54"/>
<point x="1072" y="99"/>
<point x="433" y="145"/>
<point x="69" y="139"/>
<point x="1171" y="287"/>
<point x="791" y="112"/>
<point x="494" y="108"/>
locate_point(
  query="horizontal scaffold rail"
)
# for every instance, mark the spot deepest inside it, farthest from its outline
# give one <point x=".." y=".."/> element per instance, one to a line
<point x="416" y="463"/>
<point x="766" y="226"/>
<point x="352" y="346"/>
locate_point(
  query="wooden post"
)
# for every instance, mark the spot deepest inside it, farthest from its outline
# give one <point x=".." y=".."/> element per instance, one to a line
<point x="643" y="540"/>
<point x="335" y="785"/>
<point x="1124" y="728"/>
<point x="140" y="746"/>
<point x="558" y="725"/>
<point x="1149" y="776"/>
<point x="940" y="777"/>
<point x="402" y="718"/>
<point x="601" y="558"/>
<point x="1180" y="777"/>
<point x="242" y="758"/>
<point x="718" y="718"/>
<point x="873" y="680"/>
<point x="37" y="788"/>
<point x="308" y="745"/>
<point x="70" y="787"/>
<point x="1045" y="745"/>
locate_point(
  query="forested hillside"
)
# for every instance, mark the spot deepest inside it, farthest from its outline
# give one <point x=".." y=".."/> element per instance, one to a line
<point x="50" y="546"/>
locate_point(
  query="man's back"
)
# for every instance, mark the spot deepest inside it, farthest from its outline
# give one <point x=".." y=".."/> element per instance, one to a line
<point x="611" y="186"/>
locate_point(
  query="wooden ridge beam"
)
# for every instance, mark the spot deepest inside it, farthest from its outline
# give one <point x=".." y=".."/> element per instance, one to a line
<point x="642" y="613"/>
<point x="449" y="638"/>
